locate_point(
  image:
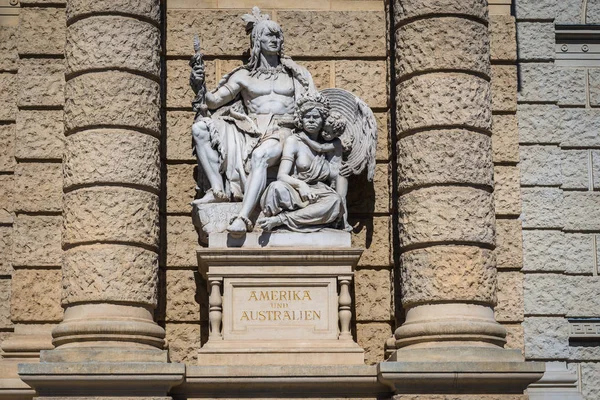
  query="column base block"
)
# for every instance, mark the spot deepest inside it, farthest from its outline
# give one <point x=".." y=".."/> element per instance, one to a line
<point x="103" y="354"/>
<point x="102" y="380"/>
<point x="469" y="370"/>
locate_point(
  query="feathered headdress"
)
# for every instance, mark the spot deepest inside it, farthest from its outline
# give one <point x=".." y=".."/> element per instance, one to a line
<point x="254" y="18"/>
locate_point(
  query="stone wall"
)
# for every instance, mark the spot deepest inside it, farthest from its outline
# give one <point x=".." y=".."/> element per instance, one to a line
<point x="559" y="161"/>
<point x="31" y="103"/>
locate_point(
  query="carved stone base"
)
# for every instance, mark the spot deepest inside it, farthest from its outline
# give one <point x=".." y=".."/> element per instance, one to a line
<point x="279" y="306"/>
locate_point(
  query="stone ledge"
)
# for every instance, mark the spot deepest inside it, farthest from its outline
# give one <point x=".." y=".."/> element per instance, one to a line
<point x="110" y="379"/>
<point x="334" y="381"/>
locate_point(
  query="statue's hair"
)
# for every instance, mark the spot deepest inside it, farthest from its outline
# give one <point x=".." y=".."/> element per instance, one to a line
<point x="333" y="121"/>
<point x="259" y="29"/>
<point x="311" y="102"/>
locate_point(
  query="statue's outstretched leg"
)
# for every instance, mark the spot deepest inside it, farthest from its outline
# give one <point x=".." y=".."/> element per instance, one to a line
<point x="264" y="156"/>
<point x="208" y="159"/>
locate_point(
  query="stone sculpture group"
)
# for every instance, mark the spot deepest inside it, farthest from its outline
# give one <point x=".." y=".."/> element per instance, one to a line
<point x="267" y="116"/>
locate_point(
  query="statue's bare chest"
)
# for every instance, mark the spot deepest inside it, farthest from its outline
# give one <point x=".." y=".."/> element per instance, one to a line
<point x="263" y="85"/>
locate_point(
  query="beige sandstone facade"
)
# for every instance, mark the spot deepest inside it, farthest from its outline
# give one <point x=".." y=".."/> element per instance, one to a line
<point x="98" y="250"/>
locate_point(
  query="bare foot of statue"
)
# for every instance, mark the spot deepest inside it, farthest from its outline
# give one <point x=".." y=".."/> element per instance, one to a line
<point x="211" y="197"/>
<point x="239" y="226"/>
<point x="269" y="223"/>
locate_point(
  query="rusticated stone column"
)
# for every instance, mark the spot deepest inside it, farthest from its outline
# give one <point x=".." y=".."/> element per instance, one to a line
<point x="446" y="206"/>
<point x="111" y="181"/>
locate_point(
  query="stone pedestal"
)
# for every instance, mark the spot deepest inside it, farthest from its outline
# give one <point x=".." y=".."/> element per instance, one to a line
<point x="273" y="305"/>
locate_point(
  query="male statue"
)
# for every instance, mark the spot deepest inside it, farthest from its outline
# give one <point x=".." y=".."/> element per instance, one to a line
<point x="253" y="108"/>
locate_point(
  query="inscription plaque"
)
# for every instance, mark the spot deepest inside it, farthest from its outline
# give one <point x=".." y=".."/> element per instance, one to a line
<point x="286" y="308"/>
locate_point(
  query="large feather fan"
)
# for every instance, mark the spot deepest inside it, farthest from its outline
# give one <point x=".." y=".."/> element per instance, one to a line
<point x="360" y="136"/>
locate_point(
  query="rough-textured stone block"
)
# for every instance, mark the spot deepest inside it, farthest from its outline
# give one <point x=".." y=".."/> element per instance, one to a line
<point x="9" y="57"/>
<point x="448" y="273"/>
<point x="538" y="123"/>
<point x="372" y="290"/>
<point x="221" y="32"/>
<point x="596" y="169"/>
<point x="373" y="235"/>
<point x="543" y="251"/>
<point x="5" y="321"/>
<point x="515" y="337"/>
<point x="510" y="297"/>
<point x="112" y="98"/>
<point x="122" y="214"/>
<point x="542" y="207"/>
<point x="6" y="233"/>
<point x="182" y="301"/>
<point x="507" y="193"/>
<point x="6" y="200"/>
<point x="447" y="43"/>
<point x="364" y="196"/>
<point x="184" y="342"/>
<point x="540" y="165"/>
<point x="544" y="294"/>
<point x="546" y="338"/>
<point x="112" y="156"/>
<point x="504" y="88"/>
<point x="575" y="169"/>
<point x="179" y="135"/>
<point x="505" y="138"/>
<point x="37" y="240"/>
<point x="443" y="99"/>
<point x="40" y="135"/>
<point x="583" y="352"/>
<point x="583" y="296"/>
<point x="180" y="187"/>
<point x="594" y="87"/>
<point x="538" y="82"/>
<point x="509" y="246"/>
<point x="572" y="86"/>
<point x="113" y="41"/>
<point x="590" y="372"/>
<point x="142" y="8"/>
<point x="536" y="40"/>
<point x="563" y="11"/>
<point x="592" y="15"/>
<point x="412" y="8"/>
<point x="8" y="95"/>
<point x="366" y="79"/>
<point x="7" y="155"/>
<point x="42" y="31"/>
<point x="333" y="33"/>
<point x="41" y="83"/>
<point x="579" y="128"/>
<point x="457" y="214"/>
<point x="581" y="211"/>
<point x="110" y="272"/>
<point x="383" y="140"/>
<point x="320" y="72"/>
<point x="36" y="295"/>
<point x="182" y="242"/>
<point x="371" y="337"/>
<point x="444" y="156"/>
<point x="578" y="253"/>
<point x="38" y="187"/>
<point x="179" y="92"/>
<point x="503" y="43"/>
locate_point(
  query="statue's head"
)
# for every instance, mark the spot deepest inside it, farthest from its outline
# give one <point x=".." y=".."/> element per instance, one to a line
<point x="314" y="115"/>
<point x="266" y="36"/>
